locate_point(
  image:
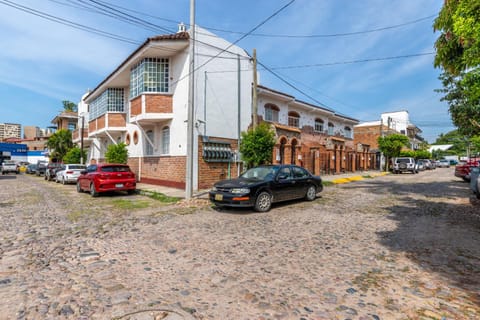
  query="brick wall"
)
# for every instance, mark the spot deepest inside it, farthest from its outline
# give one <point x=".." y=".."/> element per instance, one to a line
<point x="117" y="119"/>
<point x="136" y="106"/>
<point x="368" y="135"/>
<point x="164" y="170"/>
<point x="211" y="172"/>
<point x="158" y="103"/>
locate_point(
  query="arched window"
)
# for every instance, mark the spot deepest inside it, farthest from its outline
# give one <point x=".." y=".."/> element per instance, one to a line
<point x="319" y="125"/>
<point x="166" y="140"/>
<point x="293" y="119"/>
<point x="348" y="132"/>
<point x="330" y="129"/>
<point x="271" y="112"/>
<point x="148" y="145"/>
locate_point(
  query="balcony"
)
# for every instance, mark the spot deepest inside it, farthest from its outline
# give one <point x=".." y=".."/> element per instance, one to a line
<point x="76" y="135"/>
<point x="111" y="122"/>
<point x="151" y="107"/>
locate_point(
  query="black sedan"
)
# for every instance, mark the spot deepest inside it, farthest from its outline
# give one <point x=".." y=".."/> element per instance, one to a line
<point x="261" y="186"/>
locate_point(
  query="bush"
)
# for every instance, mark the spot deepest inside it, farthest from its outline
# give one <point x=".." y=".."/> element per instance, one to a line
<point x="117" y="153"/>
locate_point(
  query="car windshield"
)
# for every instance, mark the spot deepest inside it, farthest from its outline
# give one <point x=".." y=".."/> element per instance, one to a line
<point x="260" y="173"/>
<point x="403" y="160"/>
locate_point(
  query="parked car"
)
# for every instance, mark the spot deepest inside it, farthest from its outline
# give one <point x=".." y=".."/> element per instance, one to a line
<point x="104" y="177"/>
<point x="462" y="169"/>
<point x="51" y="170"/>
<point x="475" y="181"/>
<point x="404" y="164"/>
<point x="9" y="166"/>
<point x="420" y="165"/>
<point x="69" y="173"/>
<point x="443" y="163"/>
<point x="429" y="164"/>
<point x="32" y="168"/>
<point x="261" y="186"/>
<point x="41" y="167"/>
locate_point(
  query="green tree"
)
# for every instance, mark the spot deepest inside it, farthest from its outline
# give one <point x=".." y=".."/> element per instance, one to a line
<point x="392" y="145"/>
<point x="60" y="143"/>
<point x="117" y="153"/>
<point x="257" y="145"/>
<point x="458" y="54"/>
<point x="69" y="106"/>
<point x="74" y="155"/>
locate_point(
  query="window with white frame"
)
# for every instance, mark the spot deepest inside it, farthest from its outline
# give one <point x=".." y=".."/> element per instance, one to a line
<point x="331" y="127"/>
<point x="348" y="132"/>
<point x="271" y="113"/>
<point x="111" y="100"/>
<point x="293" y="119"/>
<point x="166" y="140"/>
<point x="149" y="75"/>
<point x="149" y="143"/>
<point x="319" y="125"/>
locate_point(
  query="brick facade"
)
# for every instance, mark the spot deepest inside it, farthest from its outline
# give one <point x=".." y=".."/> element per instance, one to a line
<point x="163" y="170"/>
<point x="136" y="106"/>
<point x="368" y="135"/>
<point x="211" y="172"/>
<point x="158" y="103"/>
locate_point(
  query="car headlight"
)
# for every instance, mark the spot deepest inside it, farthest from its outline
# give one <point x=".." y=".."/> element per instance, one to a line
<point x="240" y="190"/>
<point x="214" y="189"/>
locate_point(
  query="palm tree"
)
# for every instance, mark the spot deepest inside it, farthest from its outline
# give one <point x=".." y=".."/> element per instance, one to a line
<point x="60" y="142"/>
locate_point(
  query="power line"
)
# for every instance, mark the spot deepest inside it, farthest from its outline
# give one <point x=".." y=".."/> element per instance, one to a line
<point x="286" y="35"/>
<point x="335" y="34"/>
<point x="68" y="22"/>
<point x="238" y="40"/>
<point x="355" y="61"/>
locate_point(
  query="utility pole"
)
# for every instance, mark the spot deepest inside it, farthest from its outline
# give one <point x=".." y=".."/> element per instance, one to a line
<point x="239" y="111"/>
<point x="191" y="102"/>
<point x="81" y="139"/>
<point x="254" y="93"/>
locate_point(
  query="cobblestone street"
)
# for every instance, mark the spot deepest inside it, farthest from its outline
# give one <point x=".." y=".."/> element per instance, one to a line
<point x="393" y="247"/>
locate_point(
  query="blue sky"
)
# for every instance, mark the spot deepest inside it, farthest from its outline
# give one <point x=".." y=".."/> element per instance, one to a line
<point x="44" y="62"/>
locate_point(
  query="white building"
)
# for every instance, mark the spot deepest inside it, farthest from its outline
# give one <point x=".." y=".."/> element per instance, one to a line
<point x="144" y="103"/>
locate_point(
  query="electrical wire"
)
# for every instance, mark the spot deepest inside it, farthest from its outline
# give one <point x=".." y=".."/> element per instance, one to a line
<point x="238" y="40"/>
<point x="68" y="22"/>
<point x="283" y="35"/>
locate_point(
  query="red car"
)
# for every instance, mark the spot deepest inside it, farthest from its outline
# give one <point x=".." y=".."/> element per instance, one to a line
<point x="106" y="177"/>
<point x="462" y="170"/>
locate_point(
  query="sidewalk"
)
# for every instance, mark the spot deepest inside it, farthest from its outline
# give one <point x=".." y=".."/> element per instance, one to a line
<point x="203" y="194"/>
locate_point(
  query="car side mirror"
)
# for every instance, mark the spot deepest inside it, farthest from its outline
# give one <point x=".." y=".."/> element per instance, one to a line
<point x="83" y="172"/>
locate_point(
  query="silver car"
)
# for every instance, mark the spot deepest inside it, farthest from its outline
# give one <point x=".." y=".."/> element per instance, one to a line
<point x="69" y="173"/>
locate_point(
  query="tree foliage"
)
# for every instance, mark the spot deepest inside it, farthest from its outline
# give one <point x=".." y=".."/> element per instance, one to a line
<point x="257" y="145"/>
<point x="74" y="155"/>
<point x="458" y="54"/>
<point x="117" y="153"/>
<point x="60" y="143"/>
<point x="69" y="106"/>
<point x="458" y="46"/>
<point x="392" y="145"/>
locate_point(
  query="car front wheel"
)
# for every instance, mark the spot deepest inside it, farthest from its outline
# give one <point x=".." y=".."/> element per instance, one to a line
<point x="93" y="192"/>
<point x="263" y="202"/>
<point x="79" y="189"/>
<point x="311" y="193"/>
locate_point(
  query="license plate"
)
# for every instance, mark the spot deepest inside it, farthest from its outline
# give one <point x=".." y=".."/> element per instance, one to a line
<point x="219" y="197"/>
<point x="119" y="185"/>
